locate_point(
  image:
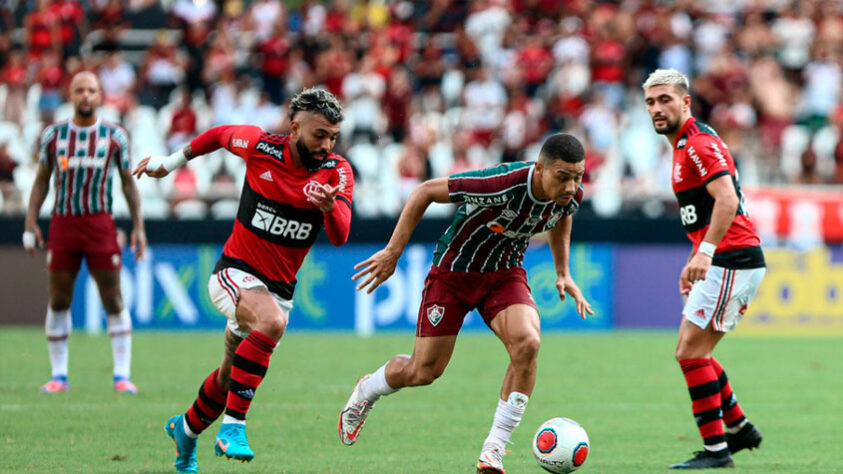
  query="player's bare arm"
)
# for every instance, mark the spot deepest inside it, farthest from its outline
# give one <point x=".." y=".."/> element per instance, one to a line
<point x="380" y="266"/>
<point x="559" y="238"/>
<point x="162" y="165"/>
<point x="32" y="238"/>
<point x="138" y="238"/>
<point x="725" y="207"/>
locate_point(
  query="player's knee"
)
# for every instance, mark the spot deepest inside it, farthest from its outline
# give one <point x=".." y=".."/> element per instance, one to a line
<point x="273" y="326"/>
<point x="60" y="302"/>
<point x="224" y="379"/>
<point x="113" y="303"/>
<point x="526" y="349"/>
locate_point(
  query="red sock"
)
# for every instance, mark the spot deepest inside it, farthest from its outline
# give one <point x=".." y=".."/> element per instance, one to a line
<point x="732" y="413"/>
<point x="705" y="400"/>
<point x="208" y="405"/>
<point x="250" y="362"/>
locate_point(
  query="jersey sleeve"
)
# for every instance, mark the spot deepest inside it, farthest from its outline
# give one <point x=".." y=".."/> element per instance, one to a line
<point x="708" y="157"/>
<point x="238" y="139"/>
<point x="47" y="137"/>
<point x="124" y="153"/>
<point x="486" y="187"/>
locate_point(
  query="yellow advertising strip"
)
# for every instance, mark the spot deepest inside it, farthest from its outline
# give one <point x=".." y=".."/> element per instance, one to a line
<point x="801" y="294"/>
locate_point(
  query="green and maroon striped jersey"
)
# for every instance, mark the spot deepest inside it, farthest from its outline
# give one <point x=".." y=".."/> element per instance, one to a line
<point x="497" y="216"/>
<point x="82" y="159"/>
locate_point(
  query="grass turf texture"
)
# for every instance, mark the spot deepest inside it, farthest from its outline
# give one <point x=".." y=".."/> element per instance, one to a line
<point x="624" y="387"/>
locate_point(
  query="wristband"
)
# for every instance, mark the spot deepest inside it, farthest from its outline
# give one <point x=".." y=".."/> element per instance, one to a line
<point x="169" y="162"/>
<point x="707" y="248"/>
<point x="28" y="240"/>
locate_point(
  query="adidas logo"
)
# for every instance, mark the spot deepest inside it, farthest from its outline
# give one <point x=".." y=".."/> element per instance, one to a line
<point x="250" y="393"/>
<point x="267" y="176"/>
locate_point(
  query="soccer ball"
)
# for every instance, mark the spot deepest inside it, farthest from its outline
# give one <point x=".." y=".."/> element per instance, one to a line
<point x="560" y="445"/>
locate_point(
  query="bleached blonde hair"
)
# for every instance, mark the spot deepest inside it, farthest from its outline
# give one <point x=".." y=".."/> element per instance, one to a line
<point x="661" y="77"/>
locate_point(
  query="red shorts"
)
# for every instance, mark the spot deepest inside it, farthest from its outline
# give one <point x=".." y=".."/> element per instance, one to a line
<point x="93" y="236"/>
<point x="448" y="296"/>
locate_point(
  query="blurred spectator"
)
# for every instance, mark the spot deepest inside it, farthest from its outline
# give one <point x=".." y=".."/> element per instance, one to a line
<point x="362" y="92"/>
<point x="808" y="169"/>
<point x="266" y="15"/>
<point x="219" y="60"/>
<point x="42" y="30"/>
<point x="333" y="64"/>
<point x="51" y="78"/>
<point x="485" y="103"/>
<point x="117" y="78"/>
<point x="534" y="61"/>
<point x="413" y="168"/>
<point x="185" y="185"/>
<point x="823" y="79"/>
<point x="73" y="25"/>
<point x="12" y="204"/>
<point x="274" y="61"/>
<point x="396" y="104"/>
<point x="794" y="31"/>
<point x="182" y="123"/>
<point x="163" y="69"/>
<point x="370" y="15"/>
<point x="14" y="76"/>
<point x="608" y="69"/>
<point x="224" y="98"/>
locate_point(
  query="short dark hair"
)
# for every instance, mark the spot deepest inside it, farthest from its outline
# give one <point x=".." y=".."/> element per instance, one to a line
<point x="562" y="146"/>
<point x="318" y="101"/>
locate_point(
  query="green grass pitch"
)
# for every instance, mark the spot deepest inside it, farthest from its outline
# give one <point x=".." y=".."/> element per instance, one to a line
<point x="624" y="387"/>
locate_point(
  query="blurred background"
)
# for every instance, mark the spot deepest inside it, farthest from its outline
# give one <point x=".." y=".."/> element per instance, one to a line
<point x="436" y="87"/>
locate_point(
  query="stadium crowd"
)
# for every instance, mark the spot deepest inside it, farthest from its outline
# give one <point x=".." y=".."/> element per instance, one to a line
<point x="431" y="87"/>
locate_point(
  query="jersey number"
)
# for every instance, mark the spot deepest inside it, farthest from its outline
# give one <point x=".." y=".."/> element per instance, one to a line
<point x="688" y="214"/>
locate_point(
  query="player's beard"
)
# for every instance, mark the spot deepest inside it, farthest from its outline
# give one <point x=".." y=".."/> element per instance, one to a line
<point x="85" y="112"/>
<point x="670" y="126"/>
<point x="306" y="156"/>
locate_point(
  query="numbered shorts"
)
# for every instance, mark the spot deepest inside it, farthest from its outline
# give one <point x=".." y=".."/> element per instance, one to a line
<point x="224" y="288"/>
<point x="449" y="296"/>
<point x="722" y="298"/>
<point x="73" y="237"/>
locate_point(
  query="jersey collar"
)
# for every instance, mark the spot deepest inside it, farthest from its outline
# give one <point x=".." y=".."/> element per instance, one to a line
<point x="530" y="186"/>
<point x="684" y="129"/>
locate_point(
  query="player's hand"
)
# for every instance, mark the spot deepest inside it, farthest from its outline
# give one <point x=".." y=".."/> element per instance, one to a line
<point x="566" y="284"/>
<point x="141" y="169"/>
<point x="138" y="243"/>
<point x="323" y="197"/>
<point x="694" y="270"/>
<point x="32" y="239"/>
<point x="379" y="267"/>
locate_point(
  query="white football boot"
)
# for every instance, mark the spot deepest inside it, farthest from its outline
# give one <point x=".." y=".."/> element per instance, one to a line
<point x="354" y="414"/>
<point x="491" y="459"/>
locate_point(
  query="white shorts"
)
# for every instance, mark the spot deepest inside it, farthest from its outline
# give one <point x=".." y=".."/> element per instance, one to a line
<point x="224" y="288"/>
<point x="722" y="298"/>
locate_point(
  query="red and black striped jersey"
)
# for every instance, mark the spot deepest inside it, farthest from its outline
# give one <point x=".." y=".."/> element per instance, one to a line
<point x="82" y="159"/>
<point x="699" y="157"/>
<point x="497" y="217"/>
<point x="276" y="225"/>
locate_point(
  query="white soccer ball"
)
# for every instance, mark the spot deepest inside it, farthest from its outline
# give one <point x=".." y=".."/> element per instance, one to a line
<point x="560" y="445"/>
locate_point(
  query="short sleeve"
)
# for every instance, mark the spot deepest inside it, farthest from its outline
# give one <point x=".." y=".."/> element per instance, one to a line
<point x="121" y="138"/>
<point x="47" y="137"/>
<point x="709" y="159"/>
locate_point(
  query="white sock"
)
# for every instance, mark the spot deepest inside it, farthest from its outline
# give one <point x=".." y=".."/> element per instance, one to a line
<point x="231" y="419"/>
<point x="57" y="327"/>
<point x="376" y="386"/>
<point x="187" y="430"/>
<point x="735" y="429"/>
<point x="120" y="331"/>
<point x="507" y="417"/>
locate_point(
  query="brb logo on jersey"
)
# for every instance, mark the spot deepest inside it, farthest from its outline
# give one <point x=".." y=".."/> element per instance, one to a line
<point x="265" y="219"/>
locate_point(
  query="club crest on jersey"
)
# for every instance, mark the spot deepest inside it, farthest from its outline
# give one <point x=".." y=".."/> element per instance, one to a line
<point x="239" y="143"/>
<point x="682" y="142"/>
<point x="435" y="314"/>
<point x="311" y="187"/>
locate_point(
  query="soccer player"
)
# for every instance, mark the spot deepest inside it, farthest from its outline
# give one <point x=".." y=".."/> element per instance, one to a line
<point x="294" y="185"/>
<point x="477" y="264"/>
<point x="722" y="274"/>
<point x="83" y="151"/>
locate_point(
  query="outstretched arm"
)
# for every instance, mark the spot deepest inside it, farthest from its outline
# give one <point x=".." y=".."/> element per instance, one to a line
<point x="559" y="239"/>
<point x="206" y="142"/>
<point x="381" y="265"/>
